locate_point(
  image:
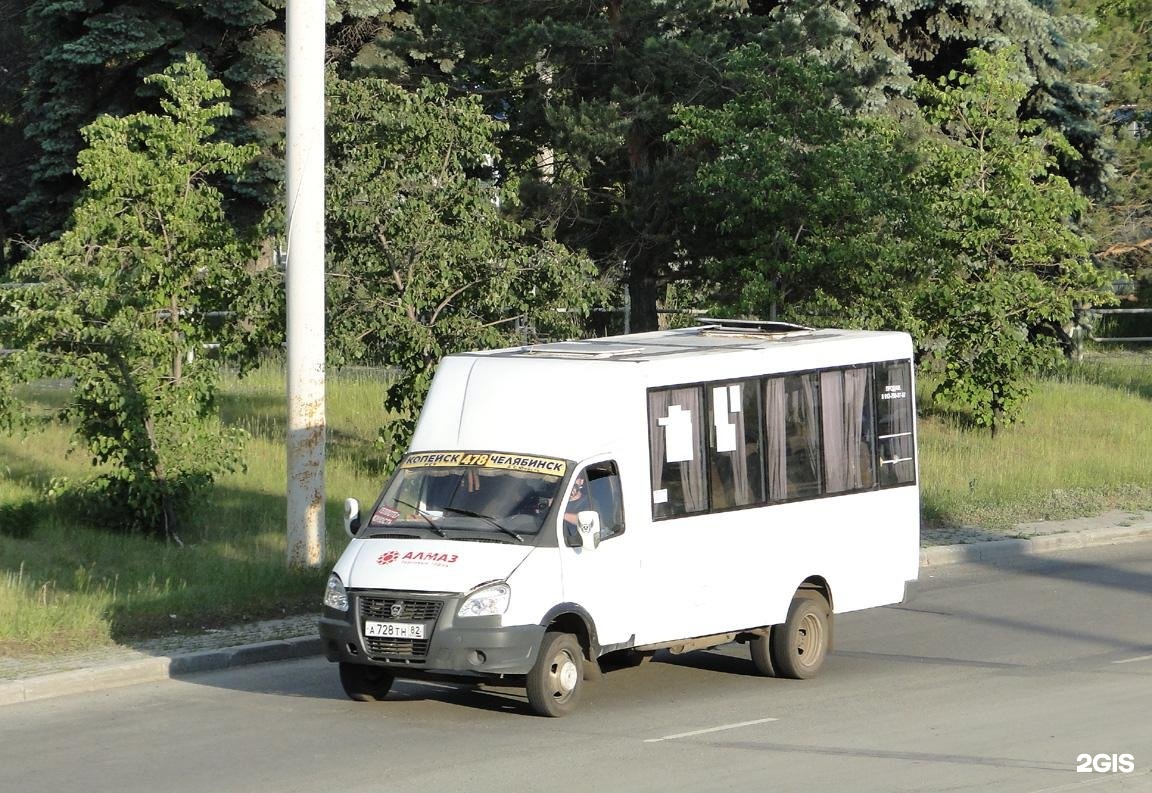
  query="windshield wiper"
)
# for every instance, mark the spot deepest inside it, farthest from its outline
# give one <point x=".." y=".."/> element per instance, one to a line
<point x="488" y="519"/>
<point x="439" y="531"/>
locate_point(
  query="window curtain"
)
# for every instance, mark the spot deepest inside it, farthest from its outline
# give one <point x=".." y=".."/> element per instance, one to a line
<point x="691" y="471"/>
<point x="658" y="402"/>
<point x="847" y="462"/>
<point x="728" y="408"/>
<point x="807" y="417"/>
<point x="835" y="435"/>
<point x="857" y="427"/>
<point x="776" y="437"/>
<point x="740" y="456"/>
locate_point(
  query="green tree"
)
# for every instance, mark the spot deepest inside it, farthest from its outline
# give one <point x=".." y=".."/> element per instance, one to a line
<point x="426" y="256"/>
<point x="808" y="201"/>
<point x="119" y="305"/>
<point x="1009" y="268"/>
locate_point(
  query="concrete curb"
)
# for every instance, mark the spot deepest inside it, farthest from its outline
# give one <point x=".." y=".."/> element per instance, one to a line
<point x="147" y="670"/>
<point x="164" y="667"/>
<point x="1003" y="550"/>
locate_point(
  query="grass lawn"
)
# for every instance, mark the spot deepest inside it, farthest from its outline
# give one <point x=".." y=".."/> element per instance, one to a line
<point x="1081" y="449"/>
<point x="65" y="587"/>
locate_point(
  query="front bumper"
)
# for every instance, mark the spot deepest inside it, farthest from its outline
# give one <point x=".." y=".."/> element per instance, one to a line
<point x="456" y="647"/>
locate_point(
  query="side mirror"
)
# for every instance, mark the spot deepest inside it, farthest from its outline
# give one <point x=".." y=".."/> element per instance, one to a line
<point x="351" y="516"/>
<point x="588" y="525"/>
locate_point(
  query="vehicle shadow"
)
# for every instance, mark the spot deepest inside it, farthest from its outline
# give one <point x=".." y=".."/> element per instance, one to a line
<point x="314" y="678"/>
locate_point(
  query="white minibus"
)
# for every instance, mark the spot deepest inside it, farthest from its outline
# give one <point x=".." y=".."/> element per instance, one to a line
<point x="674" y="490"/>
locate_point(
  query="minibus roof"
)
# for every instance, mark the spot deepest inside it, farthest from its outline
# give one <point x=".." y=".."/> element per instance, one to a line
<point x="711" y="336"/>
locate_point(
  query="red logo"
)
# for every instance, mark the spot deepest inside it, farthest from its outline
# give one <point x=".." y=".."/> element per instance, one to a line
<point x="388" y="558"/>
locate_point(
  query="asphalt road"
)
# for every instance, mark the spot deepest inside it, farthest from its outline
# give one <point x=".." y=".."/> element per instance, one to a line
<point x="990" y="678"/>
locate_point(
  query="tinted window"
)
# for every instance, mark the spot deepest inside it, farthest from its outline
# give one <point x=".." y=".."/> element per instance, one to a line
<point x="792" y="428"/>
<point x="846" y="420"/>
<point x="895" y="442"/>
<point x="736" y="477"/>
<point x="676" y="447"/>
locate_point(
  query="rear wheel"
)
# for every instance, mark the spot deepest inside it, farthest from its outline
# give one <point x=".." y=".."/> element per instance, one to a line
<point x="365" y="683"/>
<point x="760" y="648"/>
<point x="800" y="645"/>
<point x="556" y="680"/>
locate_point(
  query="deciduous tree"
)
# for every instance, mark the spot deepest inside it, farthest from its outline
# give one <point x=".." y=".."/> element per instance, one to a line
<point x="1010" y="268"/>
<point x="588" y="91"/>
<point x="426" y="254"/>
<point x="807" y="200"/>
<point x="119" y="305"/>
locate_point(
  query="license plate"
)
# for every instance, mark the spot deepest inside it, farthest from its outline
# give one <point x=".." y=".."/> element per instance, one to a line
<point x="394" y="630"/>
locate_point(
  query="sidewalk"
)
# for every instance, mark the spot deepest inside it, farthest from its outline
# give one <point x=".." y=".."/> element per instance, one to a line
<point x="28" y="679"/>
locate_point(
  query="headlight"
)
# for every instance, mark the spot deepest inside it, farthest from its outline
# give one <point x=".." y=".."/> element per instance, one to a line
<point x="488" y="602"/>
<point x="335" y="596"/>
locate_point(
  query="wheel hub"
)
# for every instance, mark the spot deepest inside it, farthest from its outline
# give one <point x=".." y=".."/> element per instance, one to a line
<point x="568" y="676"/>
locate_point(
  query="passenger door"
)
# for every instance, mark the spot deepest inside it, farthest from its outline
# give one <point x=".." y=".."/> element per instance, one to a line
<point x="602" y="579"/>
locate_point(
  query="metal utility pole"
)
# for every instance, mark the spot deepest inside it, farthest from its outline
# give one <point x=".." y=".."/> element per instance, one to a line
<point x="305" y="281"/>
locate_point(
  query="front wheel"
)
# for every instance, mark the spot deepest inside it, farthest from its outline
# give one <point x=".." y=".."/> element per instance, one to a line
<point x="365" y="683"/>
<point x="556" y="679"/>
<point x="800" y="645"/>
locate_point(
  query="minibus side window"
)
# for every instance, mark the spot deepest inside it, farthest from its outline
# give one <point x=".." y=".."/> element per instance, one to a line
<point x="792" y="429"/>
<point x="735" y="466"/>
<point x="846" y="420"/>
<point x="895" y="441"/>
<point x="676" y="449"/>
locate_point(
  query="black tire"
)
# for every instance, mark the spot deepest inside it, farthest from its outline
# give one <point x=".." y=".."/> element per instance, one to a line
<point x="801" y="644"/>
<point x="365" y="683"/>
<point x="760" y="648"/>
<point x="555" y="682"/>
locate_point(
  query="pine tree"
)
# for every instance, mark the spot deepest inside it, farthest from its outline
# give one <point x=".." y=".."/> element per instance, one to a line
<point x="1121" y="220"/>
<point x="897" y="42"/>
<point x="90" y="57"/>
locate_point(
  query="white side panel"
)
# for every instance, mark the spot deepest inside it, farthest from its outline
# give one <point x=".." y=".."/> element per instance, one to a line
<point x="729" y="571"/>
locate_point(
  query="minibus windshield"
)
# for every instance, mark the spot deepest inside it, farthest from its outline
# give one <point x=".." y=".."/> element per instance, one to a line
<point x="490" y="492"/>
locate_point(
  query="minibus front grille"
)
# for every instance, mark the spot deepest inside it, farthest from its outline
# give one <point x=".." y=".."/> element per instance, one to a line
<point x="381" y="608"/>
<point x="396" y="608"/>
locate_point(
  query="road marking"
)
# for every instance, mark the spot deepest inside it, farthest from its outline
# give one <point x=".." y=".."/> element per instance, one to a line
<point x="710" y="729"/>
<point x="1134" y="660"/>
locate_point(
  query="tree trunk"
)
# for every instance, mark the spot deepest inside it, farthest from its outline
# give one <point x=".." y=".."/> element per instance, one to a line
<point x="643" y="294"/>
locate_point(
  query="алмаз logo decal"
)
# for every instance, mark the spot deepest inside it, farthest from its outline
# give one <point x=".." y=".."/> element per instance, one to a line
<point x="418" y="557"/>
